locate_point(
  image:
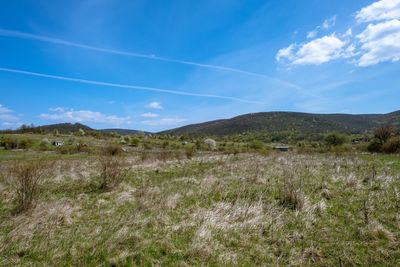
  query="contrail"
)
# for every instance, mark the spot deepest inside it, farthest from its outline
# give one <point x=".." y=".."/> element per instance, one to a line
<point x="126" y="86"/>
<point x="24" y="35"/>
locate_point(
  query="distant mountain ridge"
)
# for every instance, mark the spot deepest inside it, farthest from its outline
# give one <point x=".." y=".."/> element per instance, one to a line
<point x="306" y="123"/>
<point x="290" y="121"/>
<point x="63" y="127"/>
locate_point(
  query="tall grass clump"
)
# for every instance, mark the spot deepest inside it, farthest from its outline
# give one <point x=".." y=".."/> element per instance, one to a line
<point x="111" y="166"/>
<point x="26" y="177"/>
<point x="291" y="193"/>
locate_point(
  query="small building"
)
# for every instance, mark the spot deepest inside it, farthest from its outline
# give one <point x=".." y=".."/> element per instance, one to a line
<point x="282" y="148"/>
<point x="57" y="143"/>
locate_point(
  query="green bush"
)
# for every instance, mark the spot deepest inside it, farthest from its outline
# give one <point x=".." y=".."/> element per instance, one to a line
<point x="375" y="146"/>
<point x="134" y="142"/>
<point x="335" y="139"/>
<point x="189" y="152"/>
<point x="12" y="143"/>
<point x="9" y="143"/>
<point x="25" y="143"/>
<point x="383" y="133"/>
<point x="392" y="145"/>
<point x="256" y="144"/>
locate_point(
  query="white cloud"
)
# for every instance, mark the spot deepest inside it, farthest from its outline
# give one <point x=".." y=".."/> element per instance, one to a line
<point x="315" y="52"/>
<point x="154" y="105"/>
<point x="380" y="10"/>
<point x="149" y="115"/>
<point x="377" y="42"/>
<point x="312" y="34"/>
<point x="7" y="116"/>
<point x="328" y="23"/>
<point x="164" y="122"/>
<point x="380" y="42"/>
<point x="285" y="53"/>
<point x="70" y="115"/>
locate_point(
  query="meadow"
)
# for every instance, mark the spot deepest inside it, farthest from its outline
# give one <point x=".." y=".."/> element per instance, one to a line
<point x="177" y="207"/>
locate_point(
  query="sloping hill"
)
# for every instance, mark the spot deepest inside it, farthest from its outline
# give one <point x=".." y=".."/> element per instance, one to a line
<point x="60" y="127"/>
<point x="290" y="121"/>
<point x="65" y="128"/>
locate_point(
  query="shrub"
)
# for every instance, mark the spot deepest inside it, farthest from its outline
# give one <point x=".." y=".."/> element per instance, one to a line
<point x="111" y="150"/>
<point x="146" y="145"/>
<point x="374" y="146"/>
<point x="122" y="140"/>
<point x="9" y="143"/>
<point x="198" y="144"/>
<point x="189" y="152"/>
<point x="383" y="133"/>
<point x="392" y="145"/>
<point x="334" y="139"/>
<point x="27" y="176"/>
<point x="134" y="142"/>
<point x="256" y="144"/>
<point x="25" y="143"/>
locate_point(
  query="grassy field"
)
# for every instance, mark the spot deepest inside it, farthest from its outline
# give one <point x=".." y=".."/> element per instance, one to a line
<point x="277" y="209"/>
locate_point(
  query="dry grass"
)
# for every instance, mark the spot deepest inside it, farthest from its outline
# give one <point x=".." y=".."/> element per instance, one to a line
<point x="248" y="209"/>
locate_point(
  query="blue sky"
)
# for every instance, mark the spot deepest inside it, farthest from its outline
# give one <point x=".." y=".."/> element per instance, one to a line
<point x="154" y="65"/>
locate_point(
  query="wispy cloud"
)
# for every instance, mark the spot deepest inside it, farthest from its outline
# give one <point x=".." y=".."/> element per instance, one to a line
<point x="312" y="34"/>
<point x="328" y="23"/>
<point x="149" y="115"/>
<point x="116" y="85"/>
<point x="154" y="105"/>
<point x="70" y="115"/>
<point x="24" y="35"/>
<point x="7" y="116"/>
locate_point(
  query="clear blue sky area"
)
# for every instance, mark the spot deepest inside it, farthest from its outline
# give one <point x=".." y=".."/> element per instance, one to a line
<point x="155" y="65"/>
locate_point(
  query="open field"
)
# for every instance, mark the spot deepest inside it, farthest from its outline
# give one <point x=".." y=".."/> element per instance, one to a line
<point x="216" y="209"/>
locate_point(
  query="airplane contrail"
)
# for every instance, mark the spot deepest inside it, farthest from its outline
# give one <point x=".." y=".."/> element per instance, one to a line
<point x="126" y="86"/>
<point x="24" y="35"/>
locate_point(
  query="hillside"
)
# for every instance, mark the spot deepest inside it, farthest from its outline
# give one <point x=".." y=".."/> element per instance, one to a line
<point x="65" y="128"/>
<point x="290" y="121"/>
<point x="62" y="128"/>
